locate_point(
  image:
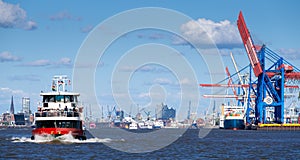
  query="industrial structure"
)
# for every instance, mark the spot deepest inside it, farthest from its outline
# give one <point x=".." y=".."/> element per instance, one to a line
<point x="167" y="113"/>
<point x="264" y="92"/>
<point x="26" y="109"/>
<point x="271" y="80"/>
<point x="26" y="105"/>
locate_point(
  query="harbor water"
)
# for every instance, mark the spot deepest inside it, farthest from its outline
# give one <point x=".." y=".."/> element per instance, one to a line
<point x="218" y="144"/>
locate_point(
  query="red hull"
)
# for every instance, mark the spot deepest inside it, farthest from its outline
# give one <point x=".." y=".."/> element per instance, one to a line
<point x="77" y="133"/>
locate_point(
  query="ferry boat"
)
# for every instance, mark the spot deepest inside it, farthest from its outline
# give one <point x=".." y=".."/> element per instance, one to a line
<point x="60" y="112"/>
<point x="232" y="117"/>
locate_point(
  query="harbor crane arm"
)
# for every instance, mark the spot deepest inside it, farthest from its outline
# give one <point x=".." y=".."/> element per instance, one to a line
<point x="230" y="82"/>
<point x="248" y="43"/>
<point x="237" y="71"/>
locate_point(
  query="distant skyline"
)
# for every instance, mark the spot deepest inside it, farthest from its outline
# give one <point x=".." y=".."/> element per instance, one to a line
<point x="40" y="39"/>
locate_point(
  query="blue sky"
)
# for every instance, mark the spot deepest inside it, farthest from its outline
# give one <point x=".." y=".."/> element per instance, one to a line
<point x="40" y="39"/>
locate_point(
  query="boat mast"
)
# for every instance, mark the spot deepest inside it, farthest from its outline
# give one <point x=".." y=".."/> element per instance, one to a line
<point x="59" y="83"/>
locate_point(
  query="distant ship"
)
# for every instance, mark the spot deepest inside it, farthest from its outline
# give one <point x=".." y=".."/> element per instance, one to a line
<point x="60" y="112"/>
<point x="232" y="117"/>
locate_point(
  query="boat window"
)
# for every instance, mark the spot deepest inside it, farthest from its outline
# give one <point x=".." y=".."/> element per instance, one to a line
<point x="67" y="99"/>
<point x="51" y="99"/>
<point x="68" y="124"/>
<point x="48" y="99"/>
<point x="59" y="98"/>
<point x="45" y="124"/>
<point x="45" y="99"/>
<point x="71" y="98"/>
<point x="75" y="99"/>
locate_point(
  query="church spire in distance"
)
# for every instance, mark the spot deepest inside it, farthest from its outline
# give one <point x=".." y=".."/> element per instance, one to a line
<point x="12" y="108"/>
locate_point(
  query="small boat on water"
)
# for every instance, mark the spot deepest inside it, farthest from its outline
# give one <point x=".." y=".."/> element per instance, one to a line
<point x="60" y="112"/>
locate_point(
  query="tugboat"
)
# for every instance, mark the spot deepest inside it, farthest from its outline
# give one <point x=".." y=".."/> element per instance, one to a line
<point x="60" y="112"/>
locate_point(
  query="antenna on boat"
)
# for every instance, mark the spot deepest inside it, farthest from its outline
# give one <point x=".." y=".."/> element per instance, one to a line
<point x="59" y="83"/>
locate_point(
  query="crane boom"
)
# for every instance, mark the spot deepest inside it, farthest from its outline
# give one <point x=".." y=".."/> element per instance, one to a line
<point x="230" y="82"/>
<point x="250" y="48"/>
<point x="240" y="85"/>
<point x="236" y="68"/>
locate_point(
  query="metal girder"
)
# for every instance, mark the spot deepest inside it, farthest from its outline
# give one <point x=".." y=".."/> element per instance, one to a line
<point x="248" y="43"/>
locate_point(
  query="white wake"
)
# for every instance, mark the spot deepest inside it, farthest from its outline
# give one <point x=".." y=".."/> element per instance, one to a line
<point x="63" y="139"/>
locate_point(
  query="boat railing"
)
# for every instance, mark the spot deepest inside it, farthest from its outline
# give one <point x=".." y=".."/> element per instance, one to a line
<point x="57" y="114"/>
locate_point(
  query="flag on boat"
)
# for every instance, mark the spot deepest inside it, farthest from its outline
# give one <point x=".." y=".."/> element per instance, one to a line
<point x="60" y="82"/>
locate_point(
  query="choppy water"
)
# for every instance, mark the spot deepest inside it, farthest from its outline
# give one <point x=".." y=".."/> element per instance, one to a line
<point x="218" y="144"/>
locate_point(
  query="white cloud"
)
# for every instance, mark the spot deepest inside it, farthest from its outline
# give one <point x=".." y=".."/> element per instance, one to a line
<point x="185" y="81"/>
<point x="64" y="61"/>
<point x="146" y="68"/>
<point x="224" y="34"/>
<point x="89" y="65"/>
<point x="166" y="81"/>
<point x="26" y="77"/>
<point x="144" y="95"/>
<point x="8" y="57"/>
<point x="5" y="91"/>
<point x="153" y="68"/>
<point x="120" y="95"/>
<point x="127" y="69"/>
<point x="163" y="81"/>
<point x="153" y="94"/>
<point x="30" y="25"/>
<point x="12" y="16"/>
<point x="86" y="29"/>
<point x="37" y="63"/>
<point x="44" y="62"/>
<point x="152" y="36"/>
<point x="290" y="53"/>
<point x="64" y="15"/>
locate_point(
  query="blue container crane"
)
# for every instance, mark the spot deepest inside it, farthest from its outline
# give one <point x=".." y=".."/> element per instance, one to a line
<point x="270" y="83"/>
